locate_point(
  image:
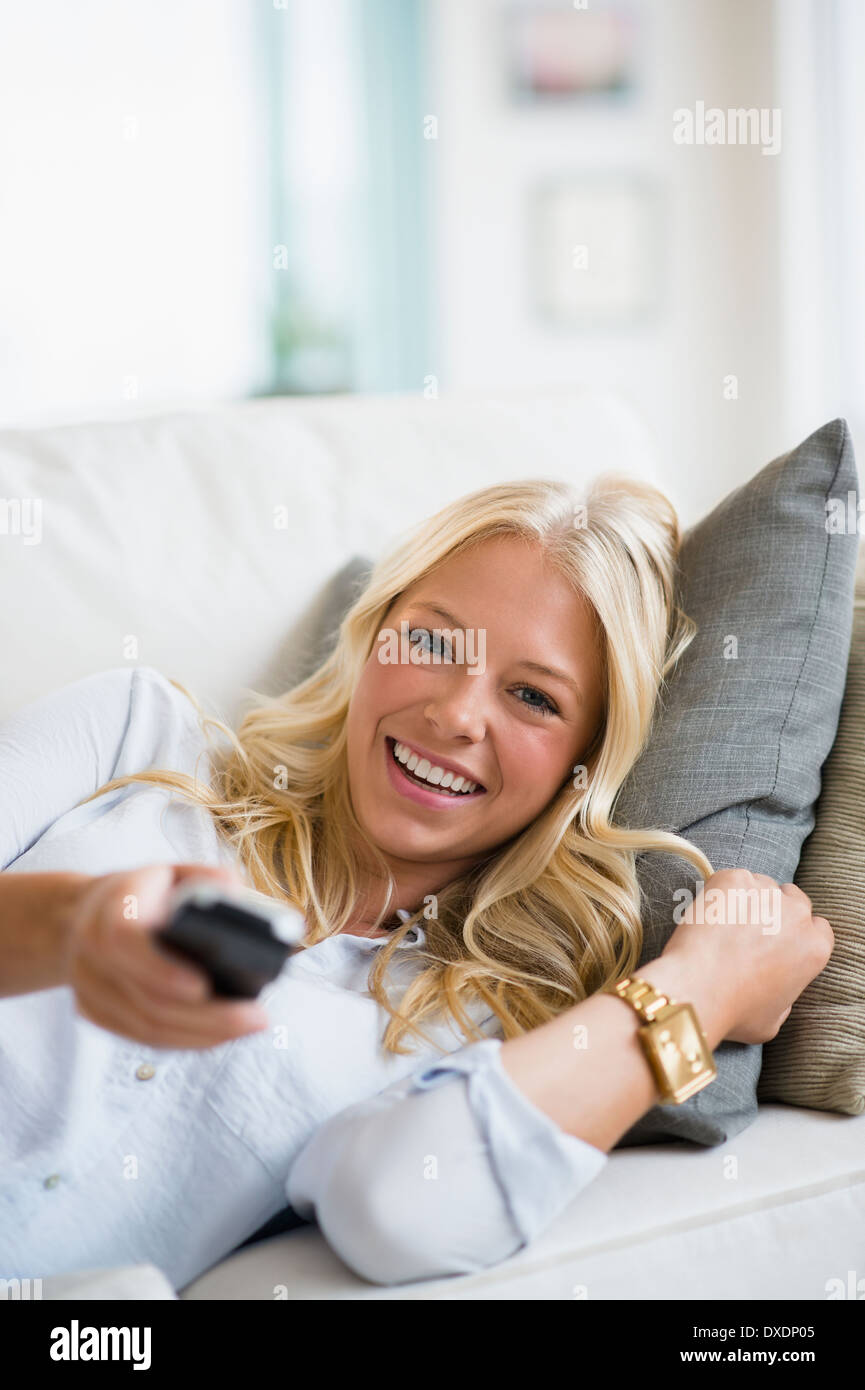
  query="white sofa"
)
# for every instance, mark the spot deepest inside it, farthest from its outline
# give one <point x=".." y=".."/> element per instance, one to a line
<point x="201" y="543"/>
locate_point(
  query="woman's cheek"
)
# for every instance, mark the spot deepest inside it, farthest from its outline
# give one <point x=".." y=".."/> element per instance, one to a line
<point x="390" y="682"/>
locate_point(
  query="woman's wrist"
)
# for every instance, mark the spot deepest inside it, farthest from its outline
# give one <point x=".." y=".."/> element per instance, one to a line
<point x="675" y="974"/>
<point x="586" y="1068"/>
<point x="67" y="897"/>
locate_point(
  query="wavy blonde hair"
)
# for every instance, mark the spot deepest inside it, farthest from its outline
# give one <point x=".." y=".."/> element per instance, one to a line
<point x="551" y="916"/>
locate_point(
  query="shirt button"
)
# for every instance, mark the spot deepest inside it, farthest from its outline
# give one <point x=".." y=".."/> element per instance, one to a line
<point x="145" y="1071"/>
<point x="52" y="1181"/>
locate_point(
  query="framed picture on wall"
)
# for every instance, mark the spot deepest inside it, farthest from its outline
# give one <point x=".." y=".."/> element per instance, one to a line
<point x="560" y="51"/>
<point x="595" y="249"/>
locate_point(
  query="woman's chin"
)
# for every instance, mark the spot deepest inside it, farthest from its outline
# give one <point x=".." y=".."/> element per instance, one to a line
<point x="415" y="842"/>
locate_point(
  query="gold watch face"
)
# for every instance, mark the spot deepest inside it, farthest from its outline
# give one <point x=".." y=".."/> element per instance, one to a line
<point x="680" y="1053"/>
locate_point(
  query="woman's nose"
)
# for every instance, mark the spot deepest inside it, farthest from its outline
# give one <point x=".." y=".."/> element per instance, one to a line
<point x="460" y="711"/>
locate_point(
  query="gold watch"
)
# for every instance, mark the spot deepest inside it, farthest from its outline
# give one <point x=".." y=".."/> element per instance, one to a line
<point x="672" y="1039"/>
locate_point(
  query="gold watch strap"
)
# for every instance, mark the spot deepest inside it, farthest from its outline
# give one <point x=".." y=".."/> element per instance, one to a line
<point x="672" y="1040"/>
<point x="647" y="1000"/>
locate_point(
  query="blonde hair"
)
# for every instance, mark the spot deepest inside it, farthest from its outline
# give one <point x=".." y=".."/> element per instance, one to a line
<point x="554" y="914"/>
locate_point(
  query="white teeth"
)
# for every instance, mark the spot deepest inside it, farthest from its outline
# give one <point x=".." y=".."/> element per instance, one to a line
<point x="436" y="776"/>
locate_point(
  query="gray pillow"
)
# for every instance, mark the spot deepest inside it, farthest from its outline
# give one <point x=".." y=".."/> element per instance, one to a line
<point x="315" y="634"/>
<point x="733" y="761"/>
<point x="734" y="758"/>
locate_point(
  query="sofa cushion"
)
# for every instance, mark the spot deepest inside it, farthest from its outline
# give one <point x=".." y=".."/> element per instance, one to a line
<point x="817" y="1059"/>
<point x="788" y="1227"/>
<point x="749" y="717"/>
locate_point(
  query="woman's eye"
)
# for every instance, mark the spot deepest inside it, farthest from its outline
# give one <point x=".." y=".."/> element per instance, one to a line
<point x="435" y="647"/>
<point x="546" y="707"/>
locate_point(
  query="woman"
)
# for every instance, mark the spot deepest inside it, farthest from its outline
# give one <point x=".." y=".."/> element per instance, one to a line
<point x="439" y="809"/>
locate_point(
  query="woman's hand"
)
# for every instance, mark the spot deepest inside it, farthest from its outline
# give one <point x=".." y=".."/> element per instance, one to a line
<point x="124" y="981"/>
<point x="757" y="961"/>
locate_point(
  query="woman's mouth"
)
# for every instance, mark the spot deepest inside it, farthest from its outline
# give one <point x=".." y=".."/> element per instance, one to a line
<point x="417" y="788"/>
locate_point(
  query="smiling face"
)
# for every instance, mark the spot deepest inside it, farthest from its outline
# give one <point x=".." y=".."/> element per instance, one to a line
<point x="515" y="730"/>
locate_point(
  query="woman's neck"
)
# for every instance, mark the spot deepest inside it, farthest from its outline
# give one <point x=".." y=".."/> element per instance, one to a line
<point x="361" y="928"/>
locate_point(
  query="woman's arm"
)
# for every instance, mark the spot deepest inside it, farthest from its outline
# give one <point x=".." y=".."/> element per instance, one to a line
<point x="417" y="1183"/>
<point x="455" y="1168"/>
<point x="35" y="912"/>
<point x="58" y="750"/>
<point x="587" y="1070"/>
<point x="54" y="751"/>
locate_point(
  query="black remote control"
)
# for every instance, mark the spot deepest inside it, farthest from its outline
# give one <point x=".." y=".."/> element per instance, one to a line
<point x="239" y="938"/>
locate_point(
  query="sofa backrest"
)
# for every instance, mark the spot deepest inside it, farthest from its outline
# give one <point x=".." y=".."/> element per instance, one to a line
<point x="200" y="542"/>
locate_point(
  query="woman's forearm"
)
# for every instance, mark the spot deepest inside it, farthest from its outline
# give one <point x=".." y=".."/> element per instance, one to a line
<point x="586" y="1069"/>
<point x="35" y="910"/>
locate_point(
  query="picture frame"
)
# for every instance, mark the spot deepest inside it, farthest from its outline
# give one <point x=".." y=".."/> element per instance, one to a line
<point x="595" y="249"/>
<point x="562" y="52"/>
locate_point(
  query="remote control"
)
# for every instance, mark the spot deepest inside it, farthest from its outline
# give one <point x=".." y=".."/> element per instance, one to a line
<point x="240" y="938"/>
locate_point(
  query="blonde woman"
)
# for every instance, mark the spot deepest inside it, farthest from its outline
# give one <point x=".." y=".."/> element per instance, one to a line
<point x="437" y="799"/>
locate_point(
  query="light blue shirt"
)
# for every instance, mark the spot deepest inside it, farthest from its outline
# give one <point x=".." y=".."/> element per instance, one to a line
<point x="115" y="1153"/>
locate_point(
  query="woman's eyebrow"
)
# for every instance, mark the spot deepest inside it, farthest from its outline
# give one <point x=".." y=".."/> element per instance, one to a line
<point x="530" y="665"/>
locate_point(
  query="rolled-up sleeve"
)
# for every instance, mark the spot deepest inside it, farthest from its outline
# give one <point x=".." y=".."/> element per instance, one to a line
<point x="448" y="1171"/>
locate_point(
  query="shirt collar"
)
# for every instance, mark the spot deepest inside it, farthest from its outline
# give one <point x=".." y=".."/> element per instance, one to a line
<point x="416" y="937"/>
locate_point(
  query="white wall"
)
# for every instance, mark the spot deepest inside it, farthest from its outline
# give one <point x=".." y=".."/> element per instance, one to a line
<point x="724" y="286"/>
<point x="136" y="233"/>
<point x="133" y="269"/>
<point x="819" y="61"/>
